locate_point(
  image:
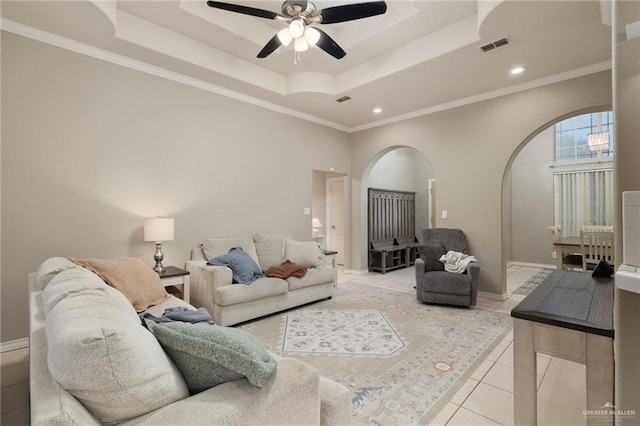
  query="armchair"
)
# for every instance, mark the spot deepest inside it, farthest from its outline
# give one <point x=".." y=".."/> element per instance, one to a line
<point x="433" y="283"/>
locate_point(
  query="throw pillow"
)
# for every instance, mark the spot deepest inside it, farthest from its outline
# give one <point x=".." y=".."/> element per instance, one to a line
<point x="430" y="253"/>
<point x="244" y="269"/>
<point x="212" y="247"/>
<point x="270" y="250"/>
<point x="134" y="278"/>
<point x="304" y="253"/>
<point x="208" y="355"/>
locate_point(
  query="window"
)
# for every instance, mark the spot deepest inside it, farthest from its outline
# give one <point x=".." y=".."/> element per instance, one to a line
<point x="571" y="135"/>
<point x="583" y="189"/>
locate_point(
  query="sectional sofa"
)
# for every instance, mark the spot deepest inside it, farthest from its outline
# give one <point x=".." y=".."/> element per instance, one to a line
<point x="92" y="362"/>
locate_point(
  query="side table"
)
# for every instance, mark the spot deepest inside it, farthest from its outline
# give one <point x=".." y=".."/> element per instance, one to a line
<point x="172" y="275"/>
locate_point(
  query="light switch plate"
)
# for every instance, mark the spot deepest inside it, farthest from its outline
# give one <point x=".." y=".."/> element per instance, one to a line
<point x="445" y="214"/>
<point x="307" y="211"/>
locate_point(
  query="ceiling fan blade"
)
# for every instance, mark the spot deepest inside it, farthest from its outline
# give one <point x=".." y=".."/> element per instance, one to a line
<point x="327" y="44"/>
<point x="270" y="47"/>
<point x="260" y="13"/>
<point x="350" y="12"/>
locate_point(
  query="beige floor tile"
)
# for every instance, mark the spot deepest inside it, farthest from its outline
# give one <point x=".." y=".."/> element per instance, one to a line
<point x="464" y="417"/>
<point x="498" y="351"/>
<point x="482" y="370"/>
<point x="464" y="391"/>
<point x="507" y="356"/>
<point x="444" y="415"/>
<point x="500" y="376"/>
<point x="489" y="304"/>
<point x="562" y="394"/>
<point x="491" y="402"/>
<point x="509" y="304"/>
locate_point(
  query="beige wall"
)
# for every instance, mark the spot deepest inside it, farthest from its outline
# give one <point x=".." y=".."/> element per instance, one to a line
<point x="626" y="108"/>
<point x="90" y="149"/>
<point x="532" y="201"/>
<point x="469" y="148"/>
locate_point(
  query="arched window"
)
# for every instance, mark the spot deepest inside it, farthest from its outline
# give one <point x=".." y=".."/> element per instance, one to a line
<point x="583" y="172"/>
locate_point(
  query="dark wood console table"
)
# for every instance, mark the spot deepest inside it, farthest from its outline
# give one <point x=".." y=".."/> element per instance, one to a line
<point x="570" y="316"/>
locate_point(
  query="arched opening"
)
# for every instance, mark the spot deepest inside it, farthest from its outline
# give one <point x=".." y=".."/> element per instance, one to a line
<point x="401" y="168"/>
<point x="532" y="190"/>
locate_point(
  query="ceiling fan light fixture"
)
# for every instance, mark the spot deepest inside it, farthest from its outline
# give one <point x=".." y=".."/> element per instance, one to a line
<point x="311" y="35"/>
<point x="285" y="36"/>
<point x="296" y="27"/>
<point x="301" y="45"/>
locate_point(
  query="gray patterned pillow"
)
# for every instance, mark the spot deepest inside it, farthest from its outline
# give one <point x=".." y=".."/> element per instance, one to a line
<point x="208" y="355"/>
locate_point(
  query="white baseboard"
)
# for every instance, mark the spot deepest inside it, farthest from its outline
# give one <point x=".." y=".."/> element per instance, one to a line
<point x="14" y="345"/>
<point x="533" y="265"/>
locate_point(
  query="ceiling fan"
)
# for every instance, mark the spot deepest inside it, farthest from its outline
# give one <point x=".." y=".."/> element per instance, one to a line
<point x="300" y="14"/>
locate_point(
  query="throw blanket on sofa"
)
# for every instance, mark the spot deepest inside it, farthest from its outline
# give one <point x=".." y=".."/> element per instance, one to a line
<point x="457" y="262"/>
<point x="287" y="269"/>
<point x="180" y="313"/>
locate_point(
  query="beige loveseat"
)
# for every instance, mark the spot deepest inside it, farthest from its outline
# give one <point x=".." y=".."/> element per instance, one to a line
<point x="92" y="362"/>
<point x="212" y="287"/>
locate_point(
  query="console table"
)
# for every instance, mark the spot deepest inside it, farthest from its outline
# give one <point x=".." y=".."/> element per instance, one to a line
<point x="570" y="316"/>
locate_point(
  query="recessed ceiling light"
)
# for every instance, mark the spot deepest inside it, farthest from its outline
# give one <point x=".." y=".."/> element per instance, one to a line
<point x="377" y="110"/>
<point x="517" y="70"/>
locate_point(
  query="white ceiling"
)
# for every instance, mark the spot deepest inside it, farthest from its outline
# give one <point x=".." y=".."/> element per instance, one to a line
<point x="420" y="56"/>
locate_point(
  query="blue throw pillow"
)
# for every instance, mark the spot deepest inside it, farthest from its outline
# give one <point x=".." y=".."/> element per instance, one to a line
<point x="245" y="270"/>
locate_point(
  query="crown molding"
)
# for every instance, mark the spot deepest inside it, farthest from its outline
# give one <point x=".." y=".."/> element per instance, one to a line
<point x="125" y="61"/>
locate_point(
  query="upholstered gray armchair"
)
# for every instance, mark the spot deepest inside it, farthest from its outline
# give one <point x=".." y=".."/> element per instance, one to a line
<point x="433" y="283"/>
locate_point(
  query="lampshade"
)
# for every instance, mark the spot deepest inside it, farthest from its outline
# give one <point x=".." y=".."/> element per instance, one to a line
<point x="598" y="142"/>
<point x="158" y="229"/>
<point x="315" y="223"/>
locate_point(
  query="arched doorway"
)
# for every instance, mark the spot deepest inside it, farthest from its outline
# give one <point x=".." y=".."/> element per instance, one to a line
<point x="533" y="185"/>
<point x="401" y="168"/>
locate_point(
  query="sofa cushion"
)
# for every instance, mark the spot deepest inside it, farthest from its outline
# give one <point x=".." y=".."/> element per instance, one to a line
<point x="208" y="355"/>
<point x="304" y="253"/>
<point x="314" y="276"/>
<point x="244" y="269"/>
<point x="135" y="279"/>
<point x="259" y="289"/>
<point x="430" y="253"/>
<point x="212" y="247"/>
<point x="50" y="268"/>
<point x="270" y="250"/>
<point x="100" y="353"/>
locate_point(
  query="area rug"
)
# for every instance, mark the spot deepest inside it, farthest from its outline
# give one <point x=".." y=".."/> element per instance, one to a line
<point x="533" y="282"/>
<point x="401" y="359"/>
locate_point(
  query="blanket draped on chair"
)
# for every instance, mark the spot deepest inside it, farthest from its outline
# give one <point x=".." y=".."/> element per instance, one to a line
<point x="457" y="262"/>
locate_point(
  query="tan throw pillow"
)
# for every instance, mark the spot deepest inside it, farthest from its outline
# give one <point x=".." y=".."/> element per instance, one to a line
<point x="135" y="279"/>
<point x="304" y="253"/>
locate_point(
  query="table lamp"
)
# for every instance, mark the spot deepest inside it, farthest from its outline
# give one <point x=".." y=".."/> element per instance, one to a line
<point x="316" y="225"/>
<point x="158" y="229"/>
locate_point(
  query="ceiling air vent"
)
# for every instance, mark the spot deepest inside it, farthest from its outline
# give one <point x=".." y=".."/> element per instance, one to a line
<point x="343" y="99"/>
<point x="494" y="45"/>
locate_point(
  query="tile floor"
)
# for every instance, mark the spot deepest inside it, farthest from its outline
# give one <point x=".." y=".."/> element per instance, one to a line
<point x="485" y="399"/>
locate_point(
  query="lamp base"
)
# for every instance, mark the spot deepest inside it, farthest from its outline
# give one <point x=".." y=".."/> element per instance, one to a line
<point x="158" y="257"/>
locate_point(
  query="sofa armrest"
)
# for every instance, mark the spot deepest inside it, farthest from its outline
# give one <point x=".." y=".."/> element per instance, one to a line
<point x="292" y="396"/>
<point x="204" y="280"/>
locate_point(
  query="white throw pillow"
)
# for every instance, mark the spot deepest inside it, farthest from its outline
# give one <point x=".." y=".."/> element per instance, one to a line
<point x="270" y="250"/>
<point x="212" y="247"/>
<point x="100" y="353"/>
<point x="304" y="253"/>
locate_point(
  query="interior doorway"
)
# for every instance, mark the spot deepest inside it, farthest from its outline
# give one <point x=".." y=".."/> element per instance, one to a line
<point x="335" y="188"/>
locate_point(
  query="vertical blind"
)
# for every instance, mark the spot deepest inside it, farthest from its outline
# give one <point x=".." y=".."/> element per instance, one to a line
<point x="583" y="198"/>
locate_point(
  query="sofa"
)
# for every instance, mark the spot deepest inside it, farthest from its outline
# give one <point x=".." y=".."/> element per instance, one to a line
<point x="212" y="287"/>
<point x="92" y="362"/>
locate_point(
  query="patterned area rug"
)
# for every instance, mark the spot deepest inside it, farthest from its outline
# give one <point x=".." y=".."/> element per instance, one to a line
<point x="533" y="282"/>
<point x="333" y="332"/>
<point x="402" y="360"/>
